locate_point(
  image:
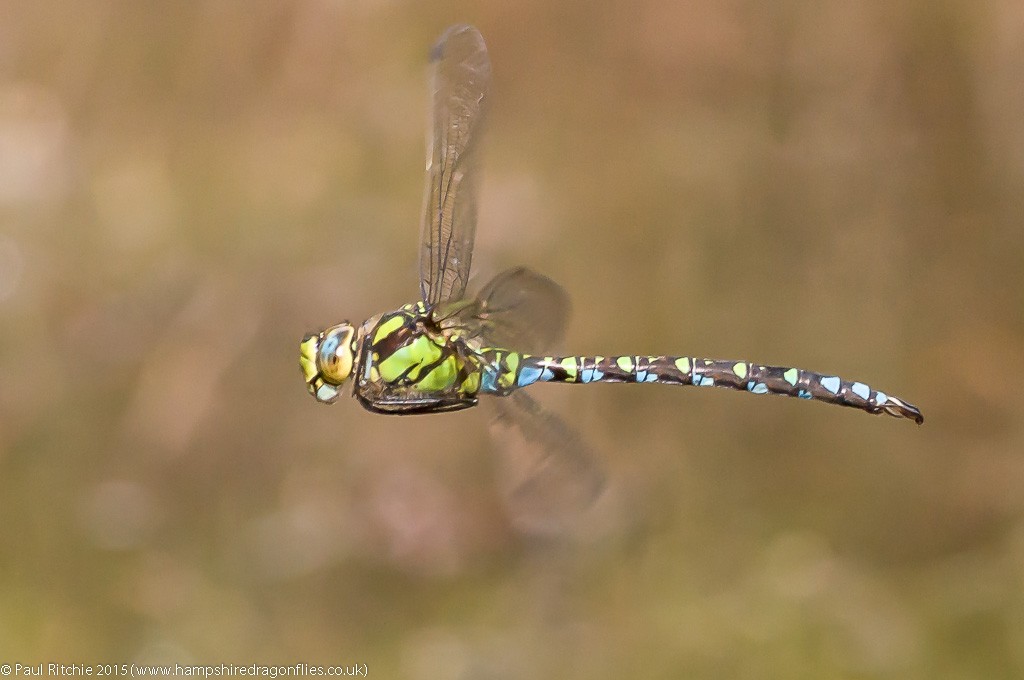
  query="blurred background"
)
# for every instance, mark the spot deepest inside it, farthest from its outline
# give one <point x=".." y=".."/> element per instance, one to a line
<point x="186" y="188"/>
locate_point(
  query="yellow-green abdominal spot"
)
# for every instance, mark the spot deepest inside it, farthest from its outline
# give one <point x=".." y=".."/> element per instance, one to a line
<point x="507" y="378"/>
<point x="683" y="364"/>
<point x="740" y="369"/>
<point x="791" y="376"/>
<point x="625" y="363"/>
<point x="569" y="364"/>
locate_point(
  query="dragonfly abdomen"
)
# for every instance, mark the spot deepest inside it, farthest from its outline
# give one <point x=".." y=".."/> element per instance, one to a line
<point x="738" y="375"/>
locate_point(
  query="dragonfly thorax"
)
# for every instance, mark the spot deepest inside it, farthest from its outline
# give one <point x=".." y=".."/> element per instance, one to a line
<point x="408" y="363"/>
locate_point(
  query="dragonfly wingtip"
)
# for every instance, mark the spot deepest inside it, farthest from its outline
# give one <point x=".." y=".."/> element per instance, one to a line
<point x="437" y="51"/>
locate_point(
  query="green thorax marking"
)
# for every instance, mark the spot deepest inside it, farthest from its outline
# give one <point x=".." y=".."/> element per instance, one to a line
<point x="408" y="350"/>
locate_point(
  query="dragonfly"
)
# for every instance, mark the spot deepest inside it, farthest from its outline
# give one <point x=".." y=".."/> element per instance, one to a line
<point x="442" y="352"/>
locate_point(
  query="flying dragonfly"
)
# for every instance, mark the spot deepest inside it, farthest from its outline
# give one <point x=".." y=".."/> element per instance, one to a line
<point x="443" y="351"/>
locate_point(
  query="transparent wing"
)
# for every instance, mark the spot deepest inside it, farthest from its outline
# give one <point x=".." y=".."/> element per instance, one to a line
<point x="523" y="311"/>
<point x="548" y="476"/>
<point x="460" y="80"/>
<point x="518" y="310"/>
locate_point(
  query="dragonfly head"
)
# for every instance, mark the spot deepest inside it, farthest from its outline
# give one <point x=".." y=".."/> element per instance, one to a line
<point x="327" y="359"/>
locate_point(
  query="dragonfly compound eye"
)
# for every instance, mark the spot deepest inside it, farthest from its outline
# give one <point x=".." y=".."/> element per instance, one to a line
<point x="335" y="355"/>
<point x="327" y="359"/>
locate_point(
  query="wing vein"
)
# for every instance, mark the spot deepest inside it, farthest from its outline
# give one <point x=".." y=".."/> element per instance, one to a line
<point x="460" y="83"/>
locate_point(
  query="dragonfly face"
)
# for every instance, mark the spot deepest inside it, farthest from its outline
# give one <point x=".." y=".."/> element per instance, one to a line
<point x="327" y="359"/>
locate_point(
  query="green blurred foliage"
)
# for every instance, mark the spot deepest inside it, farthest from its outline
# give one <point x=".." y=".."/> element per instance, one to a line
<point x="187" y="188"/>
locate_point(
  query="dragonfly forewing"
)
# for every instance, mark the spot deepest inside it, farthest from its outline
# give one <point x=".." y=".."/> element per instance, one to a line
<point x="461" y="76"/>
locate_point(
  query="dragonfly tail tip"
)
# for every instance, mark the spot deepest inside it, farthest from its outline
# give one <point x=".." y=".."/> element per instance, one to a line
<point x="901" y="409"/>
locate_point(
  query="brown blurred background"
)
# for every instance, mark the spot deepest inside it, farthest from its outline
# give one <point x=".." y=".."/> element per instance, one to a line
<point x="188" y="187"/>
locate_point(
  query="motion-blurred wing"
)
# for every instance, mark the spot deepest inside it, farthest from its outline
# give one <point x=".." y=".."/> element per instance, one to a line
<point x="548" y="476"/>
<point x="518" y="310"/>
<point x="460" y="80"/>
<point x="523" y="311"/>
